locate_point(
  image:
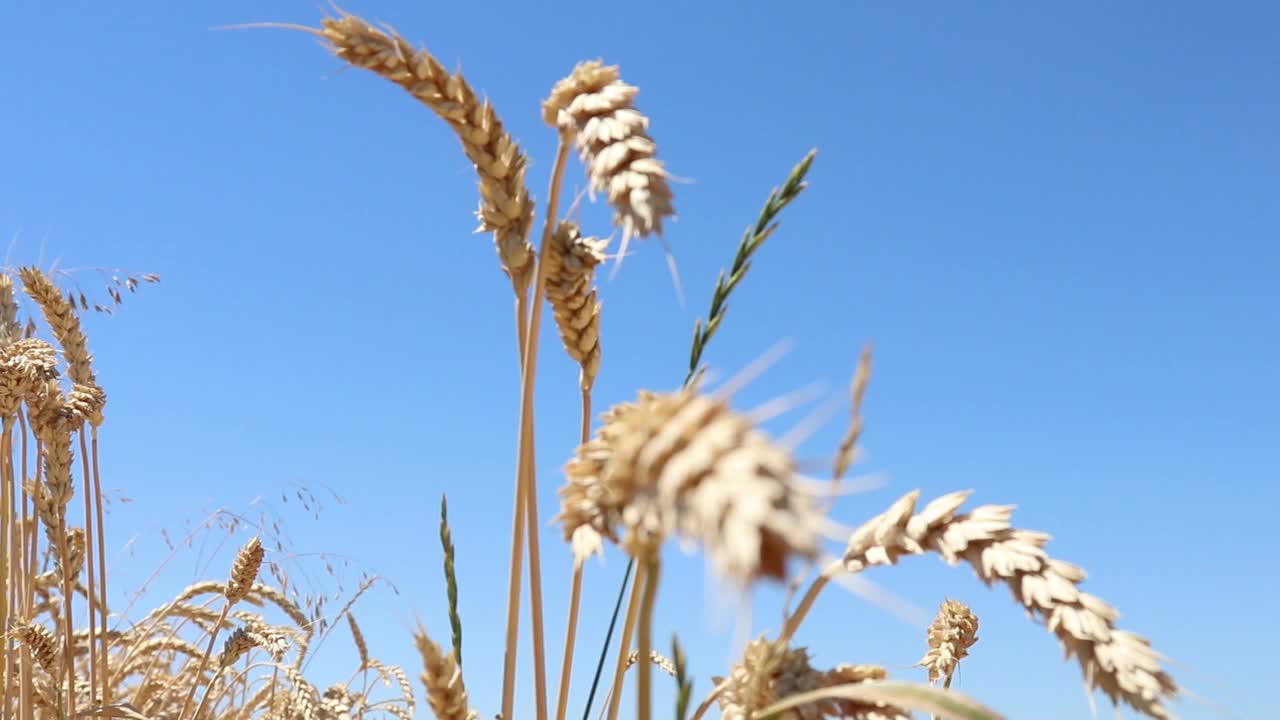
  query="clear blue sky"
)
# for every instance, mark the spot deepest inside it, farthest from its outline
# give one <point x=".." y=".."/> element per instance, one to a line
<point x="1057" y="224"/>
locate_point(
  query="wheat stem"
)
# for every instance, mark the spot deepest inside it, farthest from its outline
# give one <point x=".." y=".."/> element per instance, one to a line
<point x="102" y="566"/>
<point x="806" y="603"/>
<point x="575" y="590"/>
<point x="8" y="568"/>
<point x="90" y="584"/>
<point x="624" y="647"/>
<point x="526" y="480"/>
<point x="644" y="697"/>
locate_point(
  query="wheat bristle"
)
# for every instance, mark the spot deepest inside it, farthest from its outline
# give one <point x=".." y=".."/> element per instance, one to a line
<point x="505" y="208"/>
<point x="597" y="108"/>
<point x="685" y="464"/>
<point x="1121" y="664"/>
<point x="571" y="260"/>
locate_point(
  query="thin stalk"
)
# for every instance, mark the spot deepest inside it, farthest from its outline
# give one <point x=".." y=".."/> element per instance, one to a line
<point x="8" y="567"/>
<point x="516" y="567"/>
<point x="644" y="693"/>
<point x="28" y="573"/>
<point x="90" y="585"/>
<point x="794" y="619"/>
<point x="575" y="591"/>
<point x="209" y="691"/>
<point x="526" y="480"/>
<point x="102" y="568"/>
<point x="68" y="647"/>
<point x="604" y="650"/>
<point x="204" y="659"/>
<point x="624" y="648"/>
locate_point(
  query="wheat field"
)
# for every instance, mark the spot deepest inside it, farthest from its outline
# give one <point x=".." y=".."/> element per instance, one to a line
<point x="680" y="466"/>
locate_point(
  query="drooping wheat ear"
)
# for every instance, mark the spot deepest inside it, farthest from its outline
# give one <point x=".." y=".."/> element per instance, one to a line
<point x="238" y="643"/>
<point x="953" y="631"/>
<point x="358" y="638"/>
<point x="597" y="108"/>
<point x="442" y="679"/>
<point x="771" y="671"/>
<point x="505" y="206"/>
<point x="10" y="327"/>
<point x="64" y="322"/>
<point x="684" y="463"/>
<point x="244" y="571"/>
<point x="37" y="638"/>
<point x="1121" y="664"/>
<point x="571" y="260"/>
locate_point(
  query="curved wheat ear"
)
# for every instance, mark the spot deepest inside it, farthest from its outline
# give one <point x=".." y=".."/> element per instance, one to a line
<point x="685" y="464"/>
<point x="1121" y="664"/>
<point x="505" y="206"/>
<point x="771" y="671"/>
<point x="39" y="641"/>
<point x="64" y="322"/>
<point x="244" y="570"/>
<point x="442" y="679"/>
<point x="596" y="107"/>
<point x="571" y="260"/>
<point x="953" y="631"/>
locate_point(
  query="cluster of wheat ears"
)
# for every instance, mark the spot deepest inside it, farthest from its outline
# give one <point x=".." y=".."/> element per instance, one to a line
<point x="679" y="463"/>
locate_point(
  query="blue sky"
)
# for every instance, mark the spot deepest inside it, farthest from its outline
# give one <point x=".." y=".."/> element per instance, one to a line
<point x="1057" y="224"/>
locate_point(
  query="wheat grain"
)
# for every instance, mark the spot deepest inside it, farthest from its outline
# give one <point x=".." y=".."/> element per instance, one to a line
<point x="358" y="638"/>
<point x="505" y="208"/>
<point x="571" y="260"/>
<point x="442" y="679"/>
<point x="1121" y="664"/>
<point x="238" y="643"/>
<point x="684" y="463"/>
<point x="597" y="108"/>
<point x="953" y="631"/>
<point x="39" y="641"/>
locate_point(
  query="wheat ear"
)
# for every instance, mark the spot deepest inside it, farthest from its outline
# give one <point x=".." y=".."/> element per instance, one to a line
<point x="442" y="678"/>
<point x="597" y="108"/>
<point x="953" y="631"/>
<point x="506" y="209"/>
<point x="571" y="260"/>
<point x="1121" y="664"/>
<point x="244" y="571"/>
